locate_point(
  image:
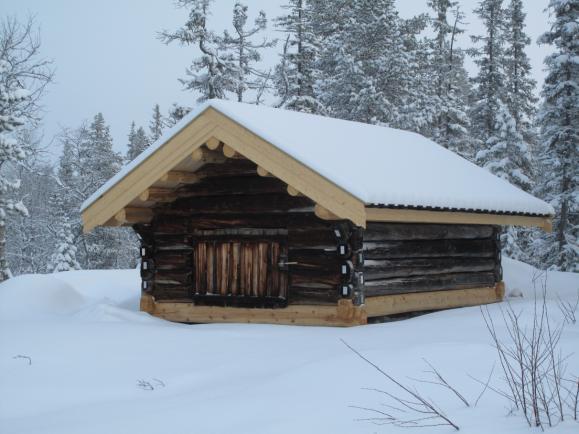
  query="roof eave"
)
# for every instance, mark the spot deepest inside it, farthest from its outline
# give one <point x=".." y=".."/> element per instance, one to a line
<point x="408" y="215"/>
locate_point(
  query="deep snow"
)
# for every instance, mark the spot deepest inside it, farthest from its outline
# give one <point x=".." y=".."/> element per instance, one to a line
<point x="89" y="347"/>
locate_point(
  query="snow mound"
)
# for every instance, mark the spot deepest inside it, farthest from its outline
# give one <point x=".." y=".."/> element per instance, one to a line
<point x="36" y="296"/>
<point x="88" y="294"/>
<point x="525" y="281"/>
<point x="119" y="287"/>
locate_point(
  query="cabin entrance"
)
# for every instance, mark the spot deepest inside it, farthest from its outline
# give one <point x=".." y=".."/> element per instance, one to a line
<point x="241" y="267"/>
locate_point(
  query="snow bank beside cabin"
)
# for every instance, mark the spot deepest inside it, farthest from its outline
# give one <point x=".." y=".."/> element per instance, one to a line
<point x="41" y="296"/>
<point x="95" y="365"/>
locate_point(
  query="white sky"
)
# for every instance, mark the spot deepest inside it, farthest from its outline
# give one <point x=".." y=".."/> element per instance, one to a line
<point x="108" y="58"/>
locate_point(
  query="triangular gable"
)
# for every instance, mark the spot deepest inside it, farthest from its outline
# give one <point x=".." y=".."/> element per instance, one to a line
<point x="209" y="128"/>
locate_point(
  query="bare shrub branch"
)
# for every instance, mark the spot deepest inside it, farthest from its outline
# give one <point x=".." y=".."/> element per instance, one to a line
<point x="420" y="412"/>
<point x="532" y="363"/>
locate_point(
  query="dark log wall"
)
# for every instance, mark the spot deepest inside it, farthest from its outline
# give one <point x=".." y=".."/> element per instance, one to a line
<point x="403" y="258"/>
<point x="233" y="209"/>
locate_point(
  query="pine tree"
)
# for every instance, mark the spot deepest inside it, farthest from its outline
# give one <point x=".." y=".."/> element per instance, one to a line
<point x="296" y="75"/>
<point x="212" y="75"/>
<point x="138" y="142"/>
<point x="64" y="259"/>
<point x="520" y="97"/>
<point x="245" y="52"/>
<point x="156" y="125"/>
<point x="559" y="121"/>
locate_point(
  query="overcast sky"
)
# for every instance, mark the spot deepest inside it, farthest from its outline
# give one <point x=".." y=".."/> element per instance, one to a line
<point x="108" y="58"/>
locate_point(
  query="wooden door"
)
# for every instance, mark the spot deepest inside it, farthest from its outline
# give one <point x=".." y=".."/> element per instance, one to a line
<point x="244" y="272"/>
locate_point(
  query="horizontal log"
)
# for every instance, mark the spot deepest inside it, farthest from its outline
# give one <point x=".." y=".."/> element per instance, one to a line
<point x="171" y="260"/>
<point x="428" y="283"/>
<point x="228" y="168"/>
<point x="229" y="152"/>
<point x="234" y="185"/>
<point x="300" y="295"/>
<point x="387" y="268"/>
<point x="305" y="278"/>
<point x="401" y="231"/>
<point x="177" y="242"/>
<point x="218" y="221"/>
<point x="235" y="233"/>
<point x="132" y="215"/>
<point x="435" y="300"/>
<point x="239" y="204"/>
<point x="169" y="292"/>
<point x="213" y="143"/>
<point x="344" y="313"/>
<point x="158" y="194"/>
<point x="319" y="236"/>
<point x="181" y="177"/>
<point x="169" y="225"/>
<point x="170" y="277"/>
<point x="429" y="248"/>
<point x="205" y="156"/>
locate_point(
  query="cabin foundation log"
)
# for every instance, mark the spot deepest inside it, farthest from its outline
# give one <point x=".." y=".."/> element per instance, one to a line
<point x="342" y="314"/>
<point x="415" y="302"/>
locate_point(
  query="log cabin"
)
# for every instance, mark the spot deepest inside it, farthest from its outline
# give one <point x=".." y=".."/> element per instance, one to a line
<point x="254" y="214"/>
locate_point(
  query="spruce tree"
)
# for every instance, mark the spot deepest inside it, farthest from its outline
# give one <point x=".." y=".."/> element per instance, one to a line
<point x="175" y="114"/>
<point x="450" y="127"/>
<point x="502" y="148"/>
<point x="245" y="52"/>
<point x="520" y="87"/>
<point x="138" y="142"/>
<point x="491" y="79"/>
<point x="212" y="75"/>
<point x="296" y="75"/>
<point x="559" y="121"/>
<point x="156" y="125"/>
<point x="368" y="77"/>
<point x="64" y="258"/>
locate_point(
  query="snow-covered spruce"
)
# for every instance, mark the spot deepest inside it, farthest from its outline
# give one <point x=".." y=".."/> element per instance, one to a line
<point x="138" y="142"/>
<point x="559" y="120"/>
<point x="64" y="258"/>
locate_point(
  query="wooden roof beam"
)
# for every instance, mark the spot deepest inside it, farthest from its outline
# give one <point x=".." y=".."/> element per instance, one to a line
<point x="455" y="217"/>
<point x="293" y="191"/>
<point x="263" y="172"/>
<point x="131" y="215"/>
<point x="158" y="194"/>
<point x="205" y="156"/>
<point x="180" y="177"/>
<point x="213" y="143"/>
<point x="229" y="152"/>
<point x="324" y="214"/>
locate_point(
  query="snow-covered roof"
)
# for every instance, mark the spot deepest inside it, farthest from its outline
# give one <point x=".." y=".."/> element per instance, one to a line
<point x="378" y="165"/>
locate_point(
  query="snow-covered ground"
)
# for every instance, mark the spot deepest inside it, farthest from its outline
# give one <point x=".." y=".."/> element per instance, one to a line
<point x="73" y="349"/>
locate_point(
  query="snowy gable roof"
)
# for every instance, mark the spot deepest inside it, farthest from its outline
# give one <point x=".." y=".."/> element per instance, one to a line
<point x="379" y="166"/>
<point x="383" y="166"/>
